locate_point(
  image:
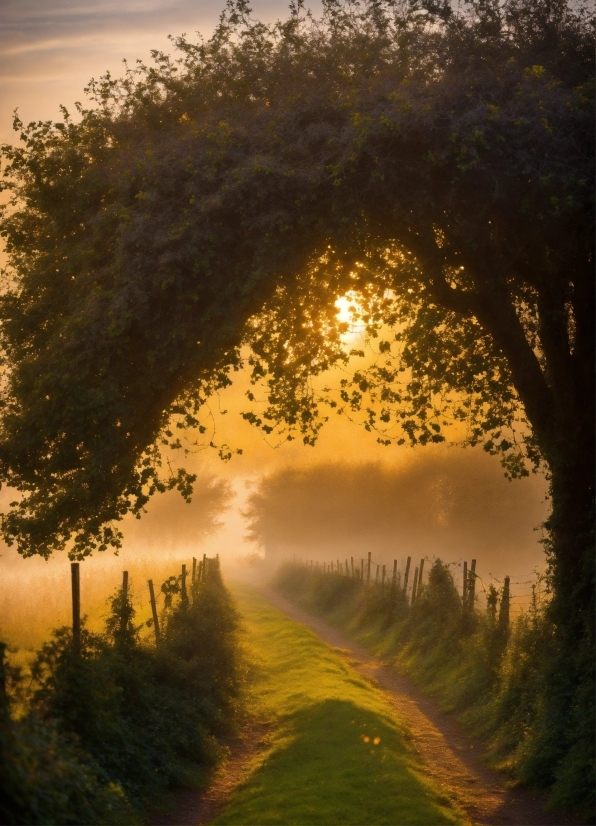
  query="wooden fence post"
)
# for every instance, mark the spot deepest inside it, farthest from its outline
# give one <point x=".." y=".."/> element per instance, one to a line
<point x="183" y="593"/>
<point x="154" y="610"/>
<point x="414" y="586"/>
<point x="472" y="585"/>
<point x="465" y="588"/>
<point x="504" y="607"/>
<point x="394" y="585"/>
<point x="76" y="607"/>
<point x="420" y="576"/>
<point x="124" y="614"/>
<point x="3" y="693"/>
<point x="352" y="562"/>
<point x="368" y="569"/>
<point x="383" y="578"/>
<point x="407" y="575"/>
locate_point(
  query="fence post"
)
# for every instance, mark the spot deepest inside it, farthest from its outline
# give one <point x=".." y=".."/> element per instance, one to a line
<point x="472" y="585"/>
<point x="465" y="588"/>
<point x="414" y="586"/>
<point x="154" y="610"/>
<point x="352" y="563"/>
<point x="76" y="607"/>
<point x="3" y="692"/>
<point x="383" y="578"/>
<point x="347" y="570"/>
<point x="183" y="593"/>
<point x="504" y="607"/>
<point x="394" y="585"/>
<point x="204" y="567"/>
<point x="407" y="575"/>
<point x="124" y="614"/>
<point x="368" y="569"/>
<point x="193" y="576"/>
<point x="420" y="576"/>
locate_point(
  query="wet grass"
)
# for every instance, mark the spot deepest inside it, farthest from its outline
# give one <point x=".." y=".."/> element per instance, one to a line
<point x="338" y="753"/>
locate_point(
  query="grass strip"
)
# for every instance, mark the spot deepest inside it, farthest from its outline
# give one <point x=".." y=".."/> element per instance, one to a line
<point x="338" y="753"/>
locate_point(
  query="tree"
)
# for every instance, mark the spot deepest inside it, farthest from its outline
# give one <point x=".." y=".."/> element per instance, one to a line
<point x="439" y="166"/>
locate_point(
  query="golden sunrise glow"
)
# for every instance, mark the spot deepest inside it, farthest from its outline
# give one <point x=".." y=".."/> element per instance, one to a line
<point x="349" y="312"/>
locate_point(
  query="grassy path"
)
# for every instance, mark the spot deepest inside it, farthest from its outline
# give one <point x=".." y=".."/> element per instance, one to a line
<point x="338" y="754"/>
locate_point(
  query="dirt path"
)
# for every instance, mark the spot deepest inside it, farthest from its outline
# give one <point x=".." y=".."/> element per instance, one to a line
<point x="195" y="807"/>
<point x="453" y="759"/>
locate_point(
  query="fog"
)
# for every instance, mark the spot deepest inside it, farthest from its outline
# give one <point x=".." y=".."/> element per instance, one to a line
<point x="35" y="594"/>
<point x="450" y="503"/>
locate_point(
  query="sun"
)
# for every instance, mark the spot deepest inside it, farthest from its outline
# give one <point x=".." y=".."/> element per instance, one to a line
<point x="349" y="311"/>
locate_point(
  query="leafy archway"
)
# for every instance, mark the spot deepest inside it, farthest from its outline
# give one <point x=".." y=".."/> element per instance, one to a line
<point x="438" y="166"/>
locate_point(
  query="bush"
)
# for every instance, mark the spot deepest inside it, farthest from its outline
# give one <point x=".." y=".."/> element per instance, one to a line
<point x="46" y="778"/>
<point x="125" y="719"/>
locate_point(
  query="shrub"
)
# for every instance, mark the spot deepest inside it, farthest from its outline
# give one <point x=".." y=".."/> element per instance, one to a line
<point x="124" y="719"/>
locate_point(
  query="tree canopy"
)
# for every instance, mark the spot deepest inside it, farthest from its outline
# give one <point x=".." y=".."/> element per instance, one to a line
<point x="435" y="165"/>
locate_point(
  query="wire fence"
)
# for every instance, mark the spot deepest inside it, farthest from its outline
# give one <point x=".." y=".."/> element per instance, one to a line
<point x="524" y="591"/>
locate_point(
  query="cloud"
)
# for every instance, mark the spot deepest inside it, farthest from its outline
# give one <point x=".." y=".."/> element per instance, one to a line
<point x="49" y="51"/>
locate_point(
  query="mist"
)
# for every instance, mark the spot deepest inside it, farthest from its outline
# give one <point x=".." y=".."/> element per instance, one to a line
<point x="448" y="503"/>
<point x="35" y="593"/>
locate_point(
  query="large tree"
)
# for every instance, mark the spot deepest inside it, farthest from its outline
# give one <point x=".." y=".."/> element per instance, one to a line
<point x="436" y="166"/>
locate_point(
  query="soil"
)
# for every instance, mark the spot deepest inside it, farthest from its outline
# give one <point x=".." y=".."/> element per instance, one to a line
<point x="453" y="759"/>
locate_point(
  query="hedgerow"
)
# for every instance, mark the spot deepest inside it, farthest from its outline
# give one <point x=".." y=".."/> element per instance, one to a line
<point x="109" y="730"/>
<point x="492" y="673"/>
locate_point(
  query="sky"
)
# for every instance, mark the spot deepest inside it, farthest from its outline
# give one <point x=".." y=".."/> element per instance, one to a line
<point x="49" y="50"/>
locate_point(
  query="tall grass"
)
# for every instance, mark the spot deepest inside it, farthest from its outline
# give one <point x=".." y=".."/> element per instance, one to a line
<point x="479" y="666"/>
<point x="124" y="719"/>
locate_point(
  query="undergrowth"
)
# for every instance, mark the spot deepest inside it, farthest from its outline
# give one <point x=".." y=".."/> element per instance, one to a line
<point x="491" y="672"/>
<point x="100" y="735"/>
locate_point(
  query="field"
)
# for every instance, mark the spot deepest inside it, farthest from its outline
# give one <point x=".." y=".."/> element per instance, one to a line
<point x="35" y="596"/>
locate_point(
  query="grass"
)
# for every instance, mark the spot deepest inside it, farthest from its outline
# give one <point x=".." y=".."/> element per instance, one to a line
<point x="338" y="752"/>
<point x="35" y="596"/>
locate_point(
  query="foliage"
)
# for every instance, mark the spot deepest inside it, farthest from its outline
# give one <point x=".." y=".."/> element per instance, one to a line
<point x="493" y="676"/>
<point x="46" y="779"/>
<point x="435" y="164"/>
<point x="141" y="718"/>
<point x="436" y="171"/>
